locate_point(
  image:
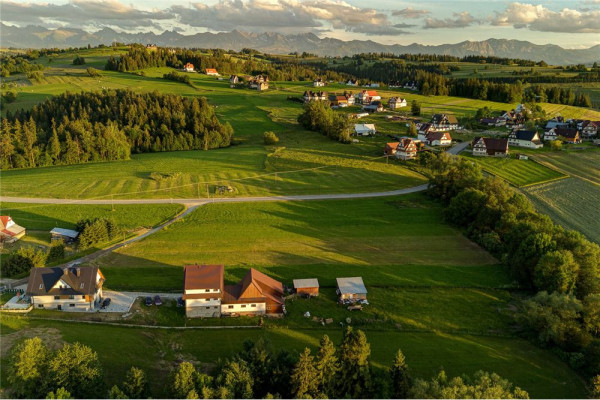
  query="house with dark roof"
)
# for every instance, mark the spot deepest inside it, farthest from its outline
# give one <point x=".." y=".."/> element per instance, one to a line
<point x="438" y="139"/>
<point x="568" y="135"/>
<point x="206" y="295"/>
<point x="374" y="106"/>
<point x="68" y="288"/>
<point x="589" y="129"/>
<point x="497" y="147"/>
<point x="10" y="232"/>
<point x="522" y="138"/>
<point x="396" y="102"/>
<point x="444" y="122"/>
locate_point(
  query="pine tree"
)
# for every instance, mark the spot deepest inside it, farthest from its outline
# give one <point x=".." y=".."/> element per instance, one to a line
<point x="54" y="144"/>
<point x="303" y="380"/>
<point x="355" y="368"/>
<point x="327" y="367"/>
<point x="135" y="385"/>
<point x="400" y="377"/>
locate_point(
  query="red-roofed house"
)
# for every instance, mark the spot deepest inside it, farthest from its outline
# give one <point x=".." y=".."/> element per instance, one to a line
<point x="206" y="295"/>
<point x="211" y="72"/>
<point x="9" y="231"/>
<point x="188" y="67"/>
<point x="367" y="96"/>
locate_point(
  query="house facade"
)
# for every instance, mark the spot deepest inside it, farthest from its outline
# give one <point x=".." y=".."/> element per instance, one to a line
<point x="495" y="147"/>
<point x="10" y="232"/>
<point x="568" y="135"/>
<point x="67" y="289"/>
<point x="406" y="149"/>
<point x="374" y="106"/>
<point x="589" y="129"/>
<point x="338" y="101"/>
<point x="308" y="287"/>
<point x="522" y="138"/>
<point x="206" y="295"/>
<point x="234" y="80"/>
<point x="259" y="82"/>
<point x="443" y="122"/>
<point x="309" y="95"/>
<point x="438" y="139"/>
<point x="396" y="102"/>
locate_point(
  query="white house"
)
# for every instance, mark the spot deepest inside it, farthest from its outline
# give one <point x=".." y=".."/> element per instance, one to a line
<point x="438" y="139"/>
<point x="212" y="72"/>
<point x="351" y="82"/>
<point x="368" y="96"/>
<point x="522" y="138"/>
<point x="318" y="82"/>
<point x="188" y="67"/>
<point x="484" y="147"/>
<point x="396" y="102"/>
<point x="364" y="129"/>
<point x="203" y="290"/>
<point x="68" y="289"/>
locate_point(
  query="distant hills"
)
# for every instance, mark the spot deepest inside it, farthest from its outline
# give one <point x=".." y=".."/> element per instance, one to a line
<point x="38" y="37"/>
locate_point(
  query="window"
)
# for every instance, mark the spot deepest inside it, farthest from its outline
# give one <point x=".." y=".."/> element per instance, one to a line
<point x="207" y="290"/>
<point x="243" y="306"/>
<point x="83" y="297"/>
<point x="268" y="307"/>
<point x="208" y="308"/>
<point x="253" y="305"/>
<point x="41" y="285"/>
<point x="71" y="305"/>
<point x="71" y="297"/>
<point x="81" y="286"/>
<point x="40" y="306"/>
<point x="56" y="297"/>
<point x="230" y="307"/>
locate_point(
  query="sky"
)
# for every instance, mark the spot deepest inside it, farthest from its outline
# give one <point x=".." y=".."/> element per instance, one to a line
<point x="569" y="24"/>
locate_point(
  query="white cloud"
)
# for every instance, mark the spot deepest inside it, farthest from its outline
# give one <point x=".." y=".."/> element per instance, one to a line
<point x="540" y="18"/>
<point x="460" y="20"/>
<point x="410" y="12"/>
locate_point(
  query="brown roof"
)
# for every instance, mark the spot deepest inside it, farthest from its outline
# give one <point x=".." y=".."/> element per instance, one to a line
<point x="493" y="145"/>
<point x="567" y="133"/>
<point x="254" y="286"/>
<point x="41" y="281"/>
<point x="203" y="277"/>
<point x="438" y="136"/>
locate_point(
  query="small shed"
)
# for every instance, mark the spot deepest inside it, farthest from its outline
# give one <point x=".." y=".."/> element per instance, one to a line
<point x="67" y="235"/>
<point x="307" y="286"/>
<point x="351" y="288"/>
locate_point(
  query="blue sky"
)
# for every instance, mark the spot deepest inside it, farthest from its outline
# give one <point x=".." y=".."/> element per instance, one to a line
<point x="570" y="24"/>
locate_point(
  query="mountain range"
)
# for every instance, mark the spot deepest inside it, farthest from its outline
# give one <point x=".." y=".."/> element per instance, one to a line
<point x="276" y="43"/>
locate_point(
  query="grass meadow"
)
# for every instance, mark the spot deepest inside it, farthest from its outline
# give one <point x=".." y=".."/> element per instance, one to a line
<point x="518" y="172"/>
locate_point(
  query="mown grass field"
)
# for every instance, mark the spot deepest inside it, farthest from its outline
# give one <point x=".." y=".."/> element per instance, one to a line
<point x="517" y="172"/>
<point x="536" y="370"/>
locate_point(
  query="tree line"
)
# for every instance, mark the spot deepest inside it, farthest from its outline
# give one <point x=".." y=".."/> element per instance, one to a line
<point x="319" y="117"/>
<point x="257" y="371"/>
<point x="84" y="127"/>
<point x="561" y="265"/>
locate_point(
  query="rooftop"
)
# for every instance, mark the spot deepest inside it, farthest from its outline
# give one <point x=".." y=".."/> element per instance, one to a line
<point x="351" y="285"/>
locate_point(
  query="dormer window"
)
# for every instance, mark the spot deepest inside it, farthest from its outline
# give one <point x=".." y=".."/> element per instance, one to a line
<point x="81" y="286"/>
<point x="41" y="285"/>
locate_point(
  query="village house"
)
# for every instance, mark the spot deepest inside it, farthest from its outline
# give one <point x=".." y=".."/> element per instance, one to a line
<point x="375" y="106"/>
<point x="259" y="82"/>
<point x="206" y="295"/>
<point x="496" y="147"/>
<point x="66" y="235"/>
<point x="318" y="82"/>
<point x="351" y="288"/>
<point x="338" y="101"/>
<point x="211" y="72"/>
<point x="406" y="149"/>
<point x="423" y="130"/>
<point x="438" y="139"/>
<point x="390" y="148"/>
<point x="494" y="121"/>
<point x="364" y="129"/>
<point x="589" y="129"/>
<point x="188" y="67"/>
<point x="556" y="122"/>
<point x="568" y="135"/>
<point x="550" y="135"/>
<point x="443" y="122"/>
<point x="10" y="232"/>
<point x="394" y="85"/>
<point x="233" y="80"/>
<point x="307" y="287"/>
<point x="309" y="95"/>
<point x="522" y="138"/>
<point x="514" y="119"/>
<point x="368" y="96"/>
<point x="151" y="47"/>
<point x="68" y="288"/>
<point x="396" y="102"/>
<point x="350" y="98"/>
<point x="351" y="82"/>
<point x="411" y="86"/>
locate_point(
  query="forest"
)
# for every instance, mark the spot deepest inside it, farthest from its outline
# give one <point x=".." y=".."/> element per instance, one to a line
<point x="108" y="125"/>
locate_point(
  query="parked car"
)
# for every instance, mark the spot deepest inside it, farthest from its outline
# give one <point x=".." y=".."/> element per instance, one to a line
<point x="157" y="300"/>
<point x="105" y="302"/>
<point x="148" y="301"/>
<point x="180" y="302"/>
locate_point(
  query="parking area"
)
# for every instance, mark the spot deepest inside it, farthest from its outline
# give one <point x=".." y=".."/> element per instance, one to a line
<point x="121" y="302"/>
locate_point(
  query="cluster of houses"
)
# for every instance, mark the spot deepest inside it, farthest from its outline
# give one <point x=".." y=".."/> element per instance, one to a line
<point x="572" y="130"/>
<point x="370" y="100"/>
<point x="258" y="82"/>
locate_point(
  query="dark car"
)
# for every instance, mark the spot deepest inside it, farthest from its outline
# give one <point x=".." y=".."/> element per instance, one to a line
<point x="105" y="302"/>
<point x="157" y="300"/>
<point x="180" y="302"/>
<point x="148" y="301"/>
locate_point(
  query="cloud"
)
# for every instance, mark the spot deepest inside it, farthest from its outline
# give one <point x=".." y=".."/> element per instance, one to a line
<point x="540" y="18"/>
<point x="78" y="13"/>
<point x="266" y="15"/>
<point x="410" y="12"/>
<point x="460" y="20"/>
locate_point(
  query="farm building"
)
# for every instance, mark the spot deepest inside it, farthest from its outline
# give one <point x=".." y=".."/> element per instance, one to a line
<point x="522" y="138"/>
<point x="490" y="147"/>
<point x="307" y="286"/>
<point x="211" y="72"/>
<point x="364" y="129"/>
<point x="206" y="295"/>
<point x="9" y="231"/>
<point x="73" y="289"/>
<point x="66" y="235"/>
<point x="351" y="288"/>
<point x="188" y="67"/>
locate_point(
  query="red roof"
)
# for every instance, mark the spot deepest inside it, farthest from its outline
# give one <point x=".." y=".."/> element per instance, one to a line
<point x="211" y="71"/>
<point x="5" y="219"/>
<point x="203" y="277"/>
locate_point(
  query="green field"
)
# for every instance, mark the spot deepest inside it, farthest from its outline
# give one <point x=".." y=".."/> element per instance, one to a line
<point x="518" y="172"/>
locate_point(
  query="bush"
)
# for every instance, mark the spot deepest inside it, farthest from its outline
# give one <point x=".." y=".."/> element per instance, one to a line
<point x="92" y="72"/>
<point x="79" y="60"/>
<point x="35" y="75"/>
<point x="57" y="251"/>
<point x="22" y="260"/>
<point x="95" y="231"/>
<point x="9" y="96"/>
<point x="270" y="138"/>
<point x="176" y="76"/>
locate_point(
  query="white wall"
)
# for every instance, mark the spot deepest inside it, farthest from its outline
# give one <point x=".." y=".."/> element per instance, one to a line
<point x="260" y="308"/>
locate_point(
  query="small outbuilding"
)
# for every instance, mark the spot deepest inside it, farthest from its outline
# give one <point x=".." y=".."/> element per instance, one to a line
<point x="308" y="287"/>
<point x="351" y="288"/>
<point x="67" y="235"/>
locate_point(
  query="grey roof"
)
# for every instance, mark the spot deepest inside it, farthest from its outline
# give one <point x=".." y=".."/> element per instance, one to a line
<point x="525" y="135"/>
<point x="42" y="280"/>
<point x="65" y="232"/>
<point x="306" y="283"/>
<point x="351" y="285"/>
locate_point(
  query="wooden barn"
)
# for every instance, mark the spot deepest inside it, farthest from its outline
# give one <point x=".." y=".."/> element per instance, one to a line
<point x="308" y="287"/>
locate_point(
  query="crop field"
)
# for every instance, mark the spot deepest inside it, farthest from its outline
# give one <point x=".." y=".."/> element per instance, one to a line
<point x="518" y="172"/>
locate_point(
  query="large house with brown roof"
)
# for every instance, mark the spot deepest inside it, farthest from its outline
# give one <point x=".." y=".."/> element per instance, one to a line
<point x="68" y="288"/>
<point x="206" y="295"/>
<point x="496" y="147"/>
<point x="438" y="139"/>
<point x="444" y="122"/>
<point x="9" y="231"/>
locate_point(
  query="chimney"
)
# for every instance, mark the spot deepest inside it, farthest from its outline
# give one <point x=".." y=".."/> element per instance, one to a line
<point x="78" y="271"/>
